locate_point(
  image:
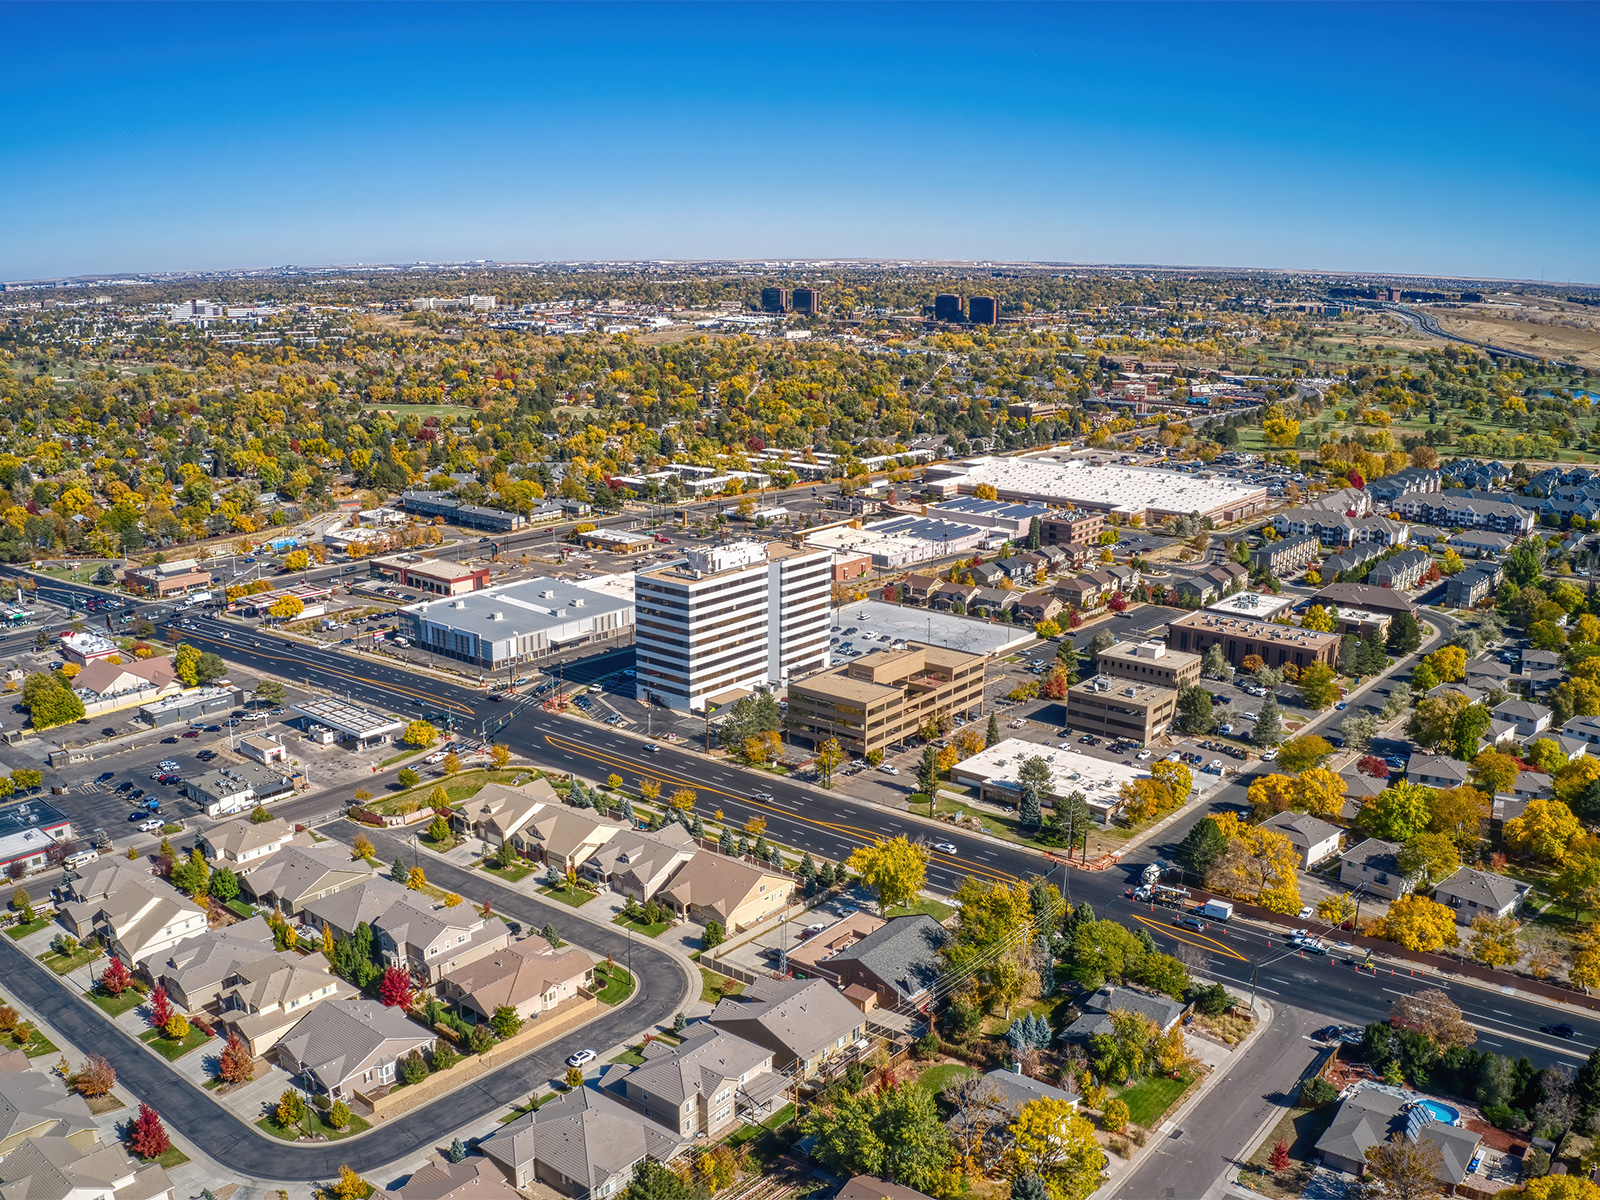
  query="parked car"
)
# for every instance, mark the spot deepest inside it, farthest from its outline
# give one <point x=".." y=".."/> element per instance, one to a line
<point x="149" y="826"/>
<point x="581" y="1058"/>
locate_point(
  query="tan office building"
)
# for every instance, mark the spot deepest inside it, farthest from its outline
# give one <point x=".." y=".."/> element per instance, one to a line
<point x="1150" y="662"/>
<point x="884" y="697"/>
<point x="1121" y="708"/>
<point x="1241" y="637"/>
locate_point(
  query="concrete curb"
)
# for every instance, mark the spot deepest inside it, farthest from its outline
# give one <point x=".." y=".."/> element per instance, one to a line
<point x="1107" y="1189"/>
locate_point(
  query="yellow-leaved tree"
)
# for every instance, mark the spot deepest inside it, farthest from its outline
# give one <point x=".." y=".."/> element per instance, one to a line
<point x="1545" y="831"/>
<point x="1418" y="923"/>
<point x="1050" y="1139"/>
<point x="895" y="869"/>
<point x="1257" y="864"/>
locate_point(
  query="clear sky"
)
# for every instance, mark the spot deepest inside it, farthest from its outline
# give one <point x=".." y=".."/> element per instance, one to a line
<point x="1440" y="139"/>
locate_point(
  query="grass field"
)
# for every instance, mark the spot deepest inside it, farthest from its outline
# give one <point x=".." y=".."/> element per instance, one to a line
<point x="114" y="1006"/>
<point x="617" y="984"/>
<point x="936" y="909"/>
<point x="714" y="987"/>
<point x="63" y="963"/>
<point x="169" y="1049"/>
<point x="640" y="927"/>
<point x="516" y="871"/>
<point x="572" y="897"/>
<point x="1148" y="1099"/>
<point x="23" y="929"/>
<point x="271" y="1127"/>
<point x="935" y="1079"/>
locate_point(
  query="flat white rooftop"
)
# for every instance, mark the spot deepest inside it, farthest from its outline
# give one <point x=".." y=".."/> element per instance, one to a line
<point x="1252" y="604"/>
<point x="1133" y="490"/>
<point x="1098" y="779"/>
<point x="923" y="625"/>
<point x="348" y="719"/>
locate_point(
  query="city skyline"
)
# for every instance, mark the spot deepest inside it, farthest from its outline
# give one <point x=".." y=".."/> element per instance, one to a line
<point x="1270" y="137"/>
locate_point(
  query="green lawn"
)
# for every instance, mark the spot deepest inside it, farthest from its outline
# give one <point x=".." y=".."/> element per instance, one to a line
<point x="572" y="897"/>
<point x="654" y="930"/>
<point x="318" y="1125"/>
<point x="935" y="1079"/>
<point x="169" y="1049"/>
<point x="936" y="909"/>
<point x="38" y="1045"/>
<point x="629" y="1057"/>
<point x="616" y="985"/>
<point x="1150" y="1098"/>
<point x="24" y="928"/>
<point x="401" y="757"/>
<point x="172" y="1158"/>
<point x="114" y="1006"/>
<point x="523" y="1110"/>
<point x="240" y="908"/>
<point x="63" y="963"/>
<point x="512" y="874"/>
<point x="714" y="987"/>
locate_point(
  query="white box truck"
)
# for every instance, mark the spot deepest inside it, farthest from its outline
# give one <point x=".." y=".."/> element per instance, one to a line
<point x="1216" y="910"/>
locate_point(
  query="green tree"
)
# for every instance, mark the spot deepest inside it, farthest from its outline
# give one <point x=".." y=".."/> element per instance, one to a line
<point x="270" y="691"/>
<point x="991" y="736"/>
<point x="1202" y="847"/>
<point x="407" y="778"/>
<point x="209" y="668"/>
<point x="928" y="769"/>
<point x="1102" y="952"/>
<point x="652" y="1181"/>
<point x="1269" y="725"/>
<point x="1372" y="658"/>
<point x="1034" y="779"/>
<point x="1319" y="686"/>
<point x="894" y="1133"/>
<point x="224" y="884"/>
<point x="1398" y="813"/>
<point x="505" y="1021"/>
<point x="1405" y="635"/>
<point x="1195" y="710"/>
<point x="1472" y="722"/>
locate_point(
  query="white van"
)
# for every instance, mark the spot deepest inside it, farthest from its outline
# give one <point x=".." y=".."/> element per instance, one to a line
<point x="81" y="859"/>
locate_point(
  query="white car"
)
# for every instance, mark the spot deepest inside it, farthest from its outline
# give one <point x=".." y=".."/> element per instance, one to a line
<point x="945" y="847"/>
<point x="1269" y="755"/>
<point x="1251" y="716"/>
<point x="888" y="769"/>
<point x="581" y="1058"/>
<point x="1142" y="755"/>
<point x="149" y="826"/>
<point x="1175" y="756"/>
<point x="1215" y="766"/>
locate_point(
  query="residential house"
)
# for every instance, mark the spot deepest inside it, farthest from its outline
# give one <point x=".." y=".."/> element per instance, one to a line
<point x="703" y="1087"/>
<point x="991" y="602"/>
<point x="804" y="1022"/>
<point x="361" y="903"/>
<point x="1438" y="771"/>
<point x="35" y="1105"/>
<point x="1349" y="562"/>
<point x="289" y="879"/>
<point x="1211" y="584"/>
<point x="469" y="1179"/>
<point x="918" y="589"/>
<point x="988" y="1117"/>
<point x="264" y="996"/>
<point x="1081" y="592"/>
<point x="638" y="862"/>
<point x="432" y="942"/>
<point x="952" y="597"/>
<point x="236" y="843"/>
<point x="1403" y="570"/>
<point x="344" y="1046"/>
<point x="133" y="914"/>
<point x="1473" y="585"/>
<point x="1531" y="785"/>
<point x="1037" y="606"/>
<point x="498" y="813"/>
<point x="870" y="1187"/>
<point x="1312" y="839"/>
<point x="1479" y="543"/>
<point x="1542" y="670"/>
<point x="530" y="976"/>
<point x="194" y="970"/>
<point x="1530" y="720"/>
<point x="584" y="1145"/>
<point x="898" y="962"/>
<point x="1586" y="729"/>
<point x="987" y="575"/>
<point x="1473" y="893"/>
<point x="1288" y="554"/>
<point x="1371" y="1117"/>
<point x="54" y="1168"/>
<point x="1021" y="569"/>
<point x="565" y="838"/>
<point x="713" y="887"/>
<point x="1097" y="1010"/>
<point x="814" y="955"/>
<point x="1376" y="864"/>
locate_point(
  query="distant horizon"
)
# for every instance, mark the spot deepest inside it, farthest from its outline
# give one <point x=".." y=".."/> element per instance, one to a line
<point x="178" y="274"/>
<point x="1371" y="136"/>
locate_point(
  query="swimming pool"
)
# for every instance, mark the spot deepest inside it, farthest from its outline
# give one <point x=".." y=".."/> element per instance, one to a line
<point x="1442" y="1113"/>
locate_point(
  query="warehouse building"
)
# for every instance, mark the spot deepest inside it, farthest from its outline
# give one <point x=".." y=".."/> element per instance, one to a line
<point x="516" y="622"/>
<point x="1147" y="492"/>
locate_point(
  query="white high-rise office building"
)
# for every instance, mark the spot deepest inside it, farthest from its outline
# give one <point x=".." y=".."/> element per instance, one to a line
<point x="730" y="618"/>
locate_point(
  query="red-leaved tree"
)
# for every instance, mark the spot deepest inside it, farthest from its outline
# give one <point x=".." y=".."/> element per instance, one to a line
<point x="1373" y="766"/>
<point x="147" y="1136"/>
<point x="1118" y="602"/>
<point x="1357" y="480"/>
<point x="116" y="978"/>
<point x="236" y="1064"/>
<point x="395" y="988"/>
<point x="1280" y="1156"/>
<point x="160" y="1008"/>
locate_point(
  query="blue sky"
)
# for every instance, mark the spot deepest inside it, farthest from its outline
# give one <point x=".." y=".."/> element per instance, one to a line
<point x="1434" y="139"/>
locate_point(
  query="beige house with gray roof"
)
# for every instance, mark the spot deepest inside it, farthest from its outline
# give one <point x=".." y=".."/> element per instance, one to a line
<point x="432" y="942"/>
<point x="584" y="1145"/>
<point x="565" y="838"/>
<point x="362" y="902"/>
<point x="53" y="1168"/>
<point x="34" y="1105"/>
<point x="264" y="997"/>
<point x="294" y="876"/>
<point x="711" y="1082"/>
<point x="347" y="1045"/>
<point x="135" y="915"/>
<point x="804" y="1022"/>
<point x="713" y="887"/>
<point x="530" y="976"/>
<point x="1473" y="893"/>
<point x="235" y="843"/>
<point x="498" y="813"/>
<point x="194" y="970"/>
<point x="638" y="862"/>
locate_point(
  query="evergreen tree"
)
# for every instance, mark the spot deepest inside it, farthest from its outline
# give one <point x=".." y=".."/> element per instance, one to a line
<point x="399" y="872"/>
<point x="991" y="735"/>
<point x="1405" y="635"/>
<point x="725" y="842"/>
<point x="1202" y="847"/>
<point x="1029" y="1187"/>
<point x="1030" y="815"/>
<point x="1195" y="709"/>
<point x="458" y="1151"/>
<point x="928" y="769"/>
<point x="1586" y="1085"/>
<point x="698" y="827"/>
<point x="742" y="847"/>
<point x="808" y="871"/>
<point x="1269" y="725"/>
<point x="1372" y="658"/>
<point x="625" y="809"/>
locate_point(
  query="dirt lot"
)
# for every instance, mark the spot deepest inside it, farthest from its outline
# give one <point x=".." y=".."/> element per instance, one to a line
<point x="1579" y="345"/>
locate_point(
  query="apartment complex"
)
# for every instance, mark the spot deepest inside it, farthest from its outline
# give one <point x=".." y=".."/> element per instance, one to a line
<point x="1435" y="508"/>
<point x="1121" y="708"/>
<point x="1287" y="554"/>
<point x="1241" y="637"/>
<point x="1150" y="662"/>
<point x="731" y="618"/>
<point x="884" y="697"/>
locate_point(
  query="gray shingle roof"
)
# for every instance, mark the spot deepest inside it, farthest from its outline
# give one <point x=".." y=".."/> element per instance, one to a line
<point x="337" y="1037"/>
<point x="1489" y="890"/>
<point x="1369" y="1117"/>
<point x="702" y="1065"/>
<point x="29" y="1099"/>
<point x="803" y="1016"/>
<point x="904" y="954"/>
<point x="1303" y="830"/>
<point x="585" y="1135"/>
